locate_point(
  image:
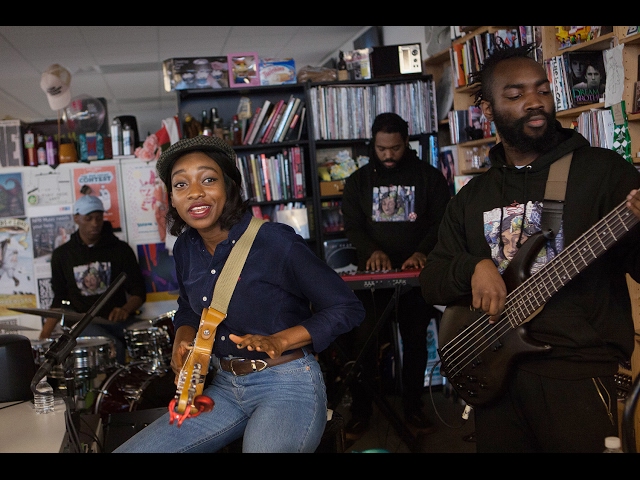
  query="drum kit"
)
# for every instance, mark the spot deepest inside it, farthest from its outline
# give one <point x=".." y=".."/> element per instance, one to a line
<point x="102" y="385"/>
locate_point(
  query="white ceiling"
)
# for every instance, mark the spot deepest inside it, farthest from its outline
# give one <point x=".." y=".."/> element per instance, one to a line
<point x="123" y="64"/>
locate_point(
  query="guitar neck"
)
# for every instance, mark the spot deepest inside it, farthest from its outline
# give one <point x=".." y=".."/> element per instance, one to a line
<point x="534" y="292"/>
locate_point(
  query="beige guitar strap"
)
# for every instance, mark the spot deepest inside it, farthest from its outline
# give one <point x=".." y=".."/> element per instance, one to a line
<point x="226" y="284"/>
<point x="197" y="363"/>
<point x="554" y="196"/>
<point x="233" y="266"/>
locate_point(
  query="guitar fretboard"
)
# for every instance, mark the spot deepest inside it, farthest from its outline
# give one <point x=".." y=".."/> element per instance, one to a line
<point x="534" y="292"/>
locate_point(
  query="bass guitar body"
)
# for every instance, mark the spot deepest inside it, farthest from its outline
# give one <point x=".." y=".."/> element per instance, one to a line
<point x="481" y="377"/>
<point x="476" y="355"/>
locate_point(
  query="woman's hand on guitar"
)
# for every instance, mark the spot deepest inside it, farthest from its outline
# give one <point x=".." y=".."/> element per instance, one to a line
<point x="269" y="344"/>
<point x="488" y="289"/>
<point x="179" y="354"/>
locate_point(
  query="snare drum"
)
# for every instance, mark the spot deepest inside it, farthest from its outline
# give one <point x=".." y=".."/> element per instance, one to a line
<point x="148" y="340"/>
<point x="136" y="386"/>
<point x="93" y="355"/>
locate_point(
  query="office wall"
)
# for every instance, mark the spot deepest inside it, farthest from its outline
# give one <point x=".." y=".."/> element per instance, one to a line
<point x="35" y="202"/>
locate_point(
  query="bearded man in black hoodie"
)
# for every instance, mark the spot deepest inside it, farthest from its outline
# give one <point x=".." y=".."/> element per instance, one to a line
<point x="533" y="342"/>
<point x="385" y="242"/>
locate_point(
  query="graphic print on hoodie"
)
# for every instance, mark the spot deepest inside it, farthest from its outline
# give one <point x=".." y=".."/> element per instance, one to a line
<point x="504" y="232"/>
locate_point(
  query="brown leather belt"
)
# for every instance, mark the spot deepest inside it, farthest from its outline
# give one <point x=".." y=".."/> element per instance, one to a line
<point x="245" y="366"/>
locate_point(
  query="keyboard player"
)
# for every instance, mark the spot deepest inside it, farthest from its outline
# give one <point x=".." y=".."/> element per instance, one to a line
<point x="392" y="208"/>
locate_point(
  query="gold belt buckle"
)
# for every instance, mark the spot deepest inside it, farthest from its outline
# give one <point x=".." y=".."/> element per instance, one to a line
<point x="254" y="366"/>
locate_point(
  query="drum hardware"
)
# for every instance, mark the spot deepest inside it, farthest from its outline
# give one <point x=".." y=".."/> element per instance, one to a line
<point x="71" y="317"/>
<point x="77" y="377"/>
<point x="151" y="340"/>
<point x="14" y="328"/>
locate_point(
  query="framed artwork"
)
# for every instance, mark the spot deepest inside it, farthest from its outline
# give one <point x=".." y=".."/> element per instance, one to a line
<point x="244" y="69"/>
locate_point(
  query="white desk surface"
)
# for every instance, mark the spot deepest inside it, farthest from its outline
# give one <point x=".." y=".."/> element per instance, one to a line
<point x="22" y="430"/>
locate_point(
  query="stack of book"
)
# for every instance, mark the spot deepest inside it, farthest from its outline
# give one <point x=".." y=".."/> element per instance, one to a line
<point x="577" y="78"/>
<point x="277" y="122"/>
<point x="276" y="177"/>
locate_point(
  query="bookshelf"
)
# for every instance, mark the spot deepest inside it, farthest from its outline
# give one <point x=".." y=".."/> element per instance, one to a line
<point x="330" y="123"/>
<point x="341" y="116"/>
<point x="270" y="156"/>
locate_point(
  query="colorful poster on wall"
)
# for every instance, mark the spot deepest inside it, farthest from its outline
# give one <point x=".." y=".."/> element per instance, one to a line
<point x="159" y="271"/>
<point x="146" y="199"/>
<point x="16" y="265"/>
<point x="101" y="181"/>
<point x="11" y="195"/>
<point x="48" y="233"/>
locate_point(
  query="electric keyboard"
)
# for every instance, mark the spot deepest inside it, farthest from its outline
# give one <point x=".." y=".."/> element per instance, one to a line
<point x="362" y="280"/>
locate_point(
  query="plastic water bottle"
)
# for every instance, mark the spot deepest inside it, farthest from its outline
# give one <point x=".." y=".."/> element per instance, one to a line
<point x="43" y="398"/>
<point x="612" y="445"/>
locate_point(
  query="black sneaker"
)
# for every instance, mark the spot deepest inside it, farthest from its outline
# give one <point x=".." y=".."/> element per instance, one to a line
<point x="356" y="428"/>
<point x="420" y="421"/>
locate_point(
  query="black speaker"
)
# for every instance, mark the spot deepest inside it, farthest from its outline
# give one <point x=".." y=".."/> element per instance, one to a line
<point x="17" y="368"/>
<point x="392" y="60"/>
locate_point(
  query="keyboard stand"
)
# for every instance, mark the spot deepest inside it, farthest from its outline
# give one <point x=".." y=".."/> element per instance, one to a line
<point x="403" y="431"/>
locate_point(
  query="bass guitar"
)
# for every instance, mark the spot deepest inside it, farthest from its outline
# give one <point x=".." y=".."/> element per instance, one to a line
<point x="189" y="401"/>
<point x="477" y="356"/>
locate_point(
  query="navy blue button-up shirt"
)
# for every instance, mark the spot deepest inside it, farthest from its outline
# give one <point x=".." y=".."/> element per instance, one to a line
<point x="283" y="284"/>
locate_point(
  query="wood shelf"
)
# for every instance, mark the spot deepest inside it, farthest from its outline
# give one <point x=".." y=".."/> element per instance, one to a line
<point x="475" y="143"/>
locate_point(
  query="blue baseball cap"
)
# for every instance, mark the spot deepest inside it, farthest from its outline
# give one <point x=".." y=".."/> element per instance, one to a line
<point x="87" y="204"/>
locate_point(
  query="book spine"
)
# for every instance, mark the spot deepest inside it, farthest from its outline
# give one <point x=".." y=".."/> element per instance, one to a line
<point x="257" y="178"/>
<point x="266" y="109"/>
<point x="459" y="64"/>
<point x="273" y="120"/>
<point x="292" y="133"/>
<point x="252" y="125"/>
<point x="298" y="180"/>
<point x="294" y="111"/>
<point x="243" y="175"/>
<point x="286" y="164"/>
<point x="265" y="176"/>
<point x="301" y="121"/>
<point x="277" y="136"/>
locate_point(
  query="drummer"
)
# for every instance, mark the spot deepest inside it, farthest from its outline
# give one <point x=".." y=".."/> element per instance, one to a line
<point x="82" y="269"/>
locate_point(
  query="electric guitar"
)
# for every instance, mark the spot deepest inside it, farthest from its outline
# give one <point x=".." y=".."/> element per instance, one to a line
<point x="189" y="401"/>
<point x="477" y="356"/>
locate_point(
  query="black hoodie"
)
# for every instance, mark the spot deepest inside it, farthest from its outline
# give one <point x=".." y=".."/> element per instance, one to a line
<point x="588" y="322"/>
<point x="110" y="256"/>
<point x="398" y="239"/>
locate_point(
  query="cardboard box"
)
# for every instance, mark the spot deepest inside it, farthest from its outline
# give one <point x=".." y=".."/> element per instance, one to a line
<point x="331" y="188"/>
<point x="277" y="72"/>
<point x="195" y="72"/>
<point x="11" y="146"/>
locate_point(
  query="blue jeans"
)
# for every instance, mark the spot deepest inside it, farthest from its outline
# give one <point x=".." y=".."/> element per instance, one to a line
<point x="280" y="409"/>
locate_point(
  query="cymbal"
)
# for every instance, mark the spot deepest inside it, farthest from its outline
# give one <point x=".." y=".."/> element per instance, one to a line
<point x="15" y="328"/>
<point x="72" y="317"/>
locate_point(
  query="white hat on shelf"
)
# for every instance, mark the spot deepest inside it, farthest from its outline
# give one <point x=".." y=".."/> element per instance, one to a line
<point x="56" y="83"/>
